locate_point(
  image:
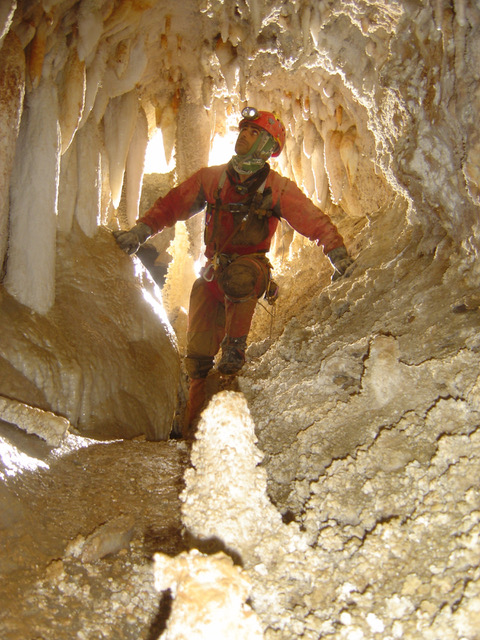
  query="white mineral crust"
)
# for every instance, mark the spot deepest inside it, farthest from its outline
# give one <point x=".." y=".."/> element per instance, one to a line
<point x="210" y="595"/>
<point x="225" y="498"/>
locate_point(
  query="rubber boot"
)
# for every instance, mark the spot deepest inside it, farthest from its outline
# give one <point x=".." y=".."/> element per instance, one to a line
<point x="233" y="355"/>
<point x="195" y="404"/>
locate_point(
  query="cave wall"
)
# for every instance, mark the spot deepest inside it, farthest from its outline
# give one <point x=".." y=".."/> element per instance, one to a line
<point x="363" y="393"/>
<point x="376" y="97"/>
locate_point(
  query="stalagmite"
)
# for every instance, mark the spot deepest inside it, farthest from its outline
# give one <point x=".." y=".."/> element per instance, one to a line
<point x="31" y="260"/>
<point x="180" y="276"/>
<point x="210" y="595"/>
<point x="134" y="166"/>
<point x="71" y="97"/>
<point x="225" y="499"/>
<point x="87" y="207"/>
<point x="119" y="120"/>
<point x="12" y="88"/>
<point x="365" y="391"/>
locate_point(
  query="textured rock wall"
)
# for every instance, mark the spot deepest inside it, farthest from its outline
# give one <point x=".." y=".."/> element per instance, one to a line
<point x="76" y="360"/>
<point x="365" y="398"/>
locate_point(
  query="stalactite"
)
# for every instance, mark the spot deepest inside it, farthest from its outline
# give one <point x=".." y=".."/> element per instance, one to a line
<point x="315" y="25"/>
<point x="90" y="27"/>
<point x="307" y="174"/>
<point x="68" y="188"/>
<point x="168" y="125"/>
<point x="94" y="76"/>
<point x="318" y="166"/>
<point x="25" y="32"/>
<point x="294" y="156"/>
<point x="227" y="56"/>
<point x="87" y="207"/>
<point x="12" y="89"/>
<point x="31" y="259"/>
<point x="36" y="54"/>
<point x="119" y="60"/>
<point x="256" y="8"/>
<point x="7" y="11"/>
<point x="349" y="153"/>
<point x="119" y="121"/>
<point x="107" y="210"/>
<point x="71" y="97"/>
<point x="127" y="13"/>
<point x="100" y="105"/>
<point x="134" y="166"/>
<point x="309" y="138"/>
<point x="438" y="13"/>
<point x="133" y="71"/>
<point x="334" y="166"/>
<point x="459" y="6"/>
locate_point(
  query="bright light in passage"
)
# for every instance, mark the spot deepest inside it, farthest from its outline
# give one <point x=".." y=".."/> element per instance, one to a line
<point x="15" y="461"/>
<point x="155" y="161"/>
<point x="223" y="148"/>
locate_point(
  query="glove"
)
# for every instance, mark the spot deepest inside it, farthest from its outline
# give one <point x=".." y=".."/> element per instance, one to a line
<point x="130" y="241"/>
<point x="340" y="260"/>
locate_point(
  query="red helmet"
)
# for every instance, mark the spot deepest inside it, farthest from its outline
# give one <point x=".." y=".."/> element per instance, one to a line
<point x="268" y="121"/>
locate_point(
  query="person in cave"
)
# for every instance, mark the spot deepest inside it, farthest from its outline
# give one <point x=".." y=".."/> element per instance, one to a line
<point x="244" y="201"/>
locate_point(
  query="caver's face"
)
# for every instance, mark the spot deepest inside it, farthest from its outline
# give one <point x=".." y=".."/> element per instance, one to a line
<point x="246" y="138"/>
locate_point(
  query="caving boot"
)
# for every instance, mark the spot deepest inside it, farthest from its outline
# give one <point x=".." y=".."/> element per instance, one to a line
<point x="233" y="355"/>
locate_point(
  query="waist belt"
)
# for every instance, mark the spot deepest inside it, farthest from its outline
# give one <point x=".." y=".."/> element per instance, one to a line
<point x="223" y="260"/>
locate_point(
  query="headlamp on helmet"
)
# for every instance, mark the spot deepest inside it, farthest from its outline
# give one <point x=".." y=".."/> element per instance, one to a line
<point x="267" y="121"/>
<point x="249" y="113"/>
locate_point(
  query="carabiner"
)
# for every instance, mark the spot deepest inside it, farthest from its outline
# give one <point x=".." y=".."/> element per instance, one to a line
<point x="206" y="273"/>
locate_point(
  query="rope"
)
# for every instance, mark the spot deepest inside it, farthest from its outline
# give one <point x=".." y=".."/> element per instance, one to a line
<point x="272" y="315"/>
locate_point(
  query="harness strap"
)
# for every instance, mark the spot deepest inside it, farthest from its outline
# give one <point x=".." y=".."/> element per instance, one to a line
<point x="257" y="199"/>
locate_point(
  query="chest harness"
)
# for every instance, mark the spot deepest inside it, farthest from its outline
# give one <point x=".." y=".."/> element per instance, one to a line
<point x="250" y="218"/>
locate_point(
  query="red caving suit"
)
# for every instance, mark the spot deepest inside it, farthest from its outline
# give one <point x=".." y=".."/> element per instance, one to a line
<point x="212" y="313"/>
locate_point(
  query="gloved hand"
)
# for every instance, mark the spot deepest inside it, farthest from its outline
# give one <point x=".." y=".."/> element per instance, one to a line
<point x="130" y="241"/>
<point x="340" y="260"/>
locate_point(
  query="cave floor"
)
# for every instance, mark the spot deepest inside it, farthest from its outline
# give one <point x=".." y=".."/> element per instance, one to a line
<point x="53" y="531"/>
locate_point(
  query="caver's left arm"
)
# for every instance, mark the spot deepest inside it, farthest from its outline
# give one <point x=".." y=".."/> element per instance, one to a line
<point x="300" y="212"/>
